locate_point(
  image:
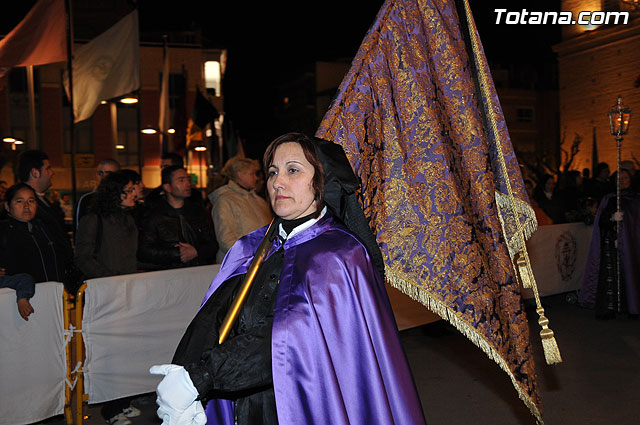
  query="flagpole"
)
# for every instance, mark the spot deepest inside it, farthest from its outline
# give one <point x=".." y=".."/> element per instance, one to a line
<point x="113" y="109"/>
<point x="32" y="106"/>
<point x="67" y="7"/>
<point x="164" y="93"/>
<point x="139" y="132"/>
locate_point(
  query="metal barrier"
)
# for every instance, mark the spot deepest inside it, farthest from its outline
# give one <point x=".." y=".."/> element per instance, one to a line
<point x="173" y="298"/>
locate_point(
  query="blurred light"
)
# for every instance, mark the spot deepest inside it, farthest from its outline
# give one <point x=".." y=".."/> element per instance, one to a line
<point x="18" y="142"/>
<point x="589" y="27"/>
<point x="8" y="140"/>
<point x="209" y="133"/>
<point x="129" y="100"/>
<point x="200" y="148"/>
<point x="104" y="102"/>
<point x="212" y="76"/>
<point x="149" y="130"/>
<point x="119" y="146"/>
<point x="171" y="130"/>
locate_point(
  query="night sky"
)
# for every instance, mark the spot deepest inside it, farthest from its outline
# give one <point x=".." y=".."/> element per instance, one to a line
<point x="267" y="41"/>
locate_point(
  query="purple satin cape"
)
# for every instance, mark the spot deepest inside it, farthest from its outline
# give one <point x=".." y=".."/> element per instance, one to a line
<point x="336" y="351"/>
<point x="629" y="248"/>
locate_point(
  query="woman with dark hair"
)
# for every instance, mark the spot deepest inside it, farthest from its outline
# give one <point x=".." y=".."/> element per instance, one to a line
<point x="106" y="245"/>
<point x="25" y="244"/>
<point x="28" y="254"/>
<point x="107" y="237"/>
<point x="547" y="198"/>
<point x="315" y="340"/>
<point x="138" y="209"/>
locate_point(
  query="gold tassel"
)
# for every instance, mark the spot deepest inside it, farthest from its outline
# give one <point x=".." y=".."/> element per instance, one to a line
<point x="549" y="345"/>
<point x="524" y="271"/>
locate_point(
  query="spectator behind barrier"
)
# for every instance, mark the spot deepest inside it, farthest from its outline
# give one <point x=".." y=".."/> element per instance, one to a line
<point x="107" y="237"/>
<point x="105" y="167"/>
<point x="541" y="217"/>
<point x="173" y="159"/>
<point x="546" y="196"/>
<point x="26" y="245"/>
<point x="25" y="289"/>
<point x="175" y="230"/>
<point x="138" y="210"/>
<point x="34" y="169"/>
<point x="599" y="185"/>
<point x="236" y="208"/>
<point x="571" y="196"/>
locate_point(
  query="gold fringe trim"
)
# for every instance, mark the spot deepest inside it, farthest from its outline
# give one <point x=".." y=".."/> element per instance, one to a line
<point x="509" y="221"/>
<point x="400" y="282"/>
<point x="514" y="205"/>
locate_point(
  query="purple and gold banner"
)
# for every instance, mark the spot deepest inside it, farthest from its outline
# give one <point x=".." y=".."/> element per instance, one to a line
<point x="441" y="186"/>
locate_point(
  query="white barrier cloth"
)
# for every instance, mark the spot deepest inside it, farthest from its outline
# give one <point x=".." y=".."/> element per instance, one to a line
<point x="32" y="357"/>
<point x="132" y="322"/>
<point x="558" y="255"/>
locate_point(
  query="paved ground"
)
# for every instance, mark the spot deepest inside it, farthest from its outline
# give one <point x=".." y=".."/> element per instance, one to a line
<point x="598" y="382"/>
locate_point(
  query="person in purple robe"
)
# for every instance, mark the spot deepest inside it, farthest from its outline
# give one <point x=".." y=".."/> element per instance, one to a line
<point x="602" y="289"/>
<point x="316" y="340"/>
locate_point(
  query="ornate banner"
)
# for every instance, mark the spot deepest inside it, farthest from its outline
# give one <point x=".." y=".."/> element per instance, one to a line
<point x="422" y="127"/>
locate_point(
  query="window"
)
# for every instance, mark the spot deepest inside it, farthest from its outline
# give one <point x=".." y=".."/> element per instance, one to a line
<point x="524" y="114"/>
<point x="212" y="77"/>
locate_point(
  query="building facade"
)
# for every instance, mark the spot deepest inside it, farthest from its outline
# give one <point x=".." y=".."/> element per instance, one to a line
<point x="598" y="63"/>
<point x="191" y="67"/>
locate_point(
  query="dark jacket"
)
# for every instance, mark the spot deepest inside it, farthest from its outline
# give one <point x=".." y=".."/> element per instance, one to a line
<point x="84" y="204"/>
<point x="164" y="226"/>
<point x="109" y="250"/>
<point x="28" y="247"/>
<point x="53" y="221"/>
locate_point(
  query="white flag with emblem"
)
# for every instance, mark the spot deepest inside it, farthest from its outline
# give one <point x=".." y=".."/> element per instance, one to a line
<point x="106" y="67"/>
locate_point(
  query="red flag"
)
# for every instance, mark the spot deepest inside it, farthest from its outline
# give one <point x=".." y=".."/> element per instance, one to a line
<point x="37" y="40"/>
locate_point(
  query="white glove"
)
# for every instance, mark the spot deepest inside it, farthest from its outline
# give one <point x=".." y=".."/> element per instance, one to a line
<point x="176" y="393"/>
<point x="193" y="415"/>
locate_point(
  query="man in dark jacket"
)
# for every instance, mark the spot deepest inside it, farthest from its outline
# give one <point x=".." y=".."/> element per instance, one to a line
<point x="34" y="169"/>
<point x="105" y="167"/>
<point x="175" y="231"/>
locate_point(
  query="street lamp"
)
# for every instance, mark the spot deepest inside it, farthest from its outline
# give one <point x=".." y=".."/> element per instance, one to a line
<point x="619" y="117"/>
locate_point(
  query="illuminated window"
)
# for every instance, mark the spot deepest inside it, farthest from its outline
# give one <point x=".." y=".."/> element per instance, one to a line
<point x="212" y="76"/>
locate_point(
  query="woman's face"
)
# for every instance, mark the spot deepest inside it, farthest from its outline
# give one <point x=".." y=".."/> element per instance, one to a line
<point x="128" y="196"/>
<point x="139" y="189"/>
<point x="549" y="185"/>
<point x="23" y="206"/>
<point x="290" y="182"/>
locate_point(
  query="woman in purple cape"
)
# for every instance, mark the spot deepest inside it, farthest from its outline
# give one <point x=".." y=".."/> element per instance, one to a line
<point x="315" y="341"/>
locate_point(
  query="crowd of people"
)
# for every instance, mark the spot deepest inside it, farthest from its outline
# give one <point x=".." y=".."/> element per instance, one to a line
<point x="574" y="196"/>
<point x="118" y="229"/>
<point x="611" y="279"/>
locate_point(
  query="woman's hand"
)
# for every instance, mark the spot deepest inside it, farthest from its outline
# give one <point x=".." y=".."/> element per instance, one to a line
<point x="25" y="308"/>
